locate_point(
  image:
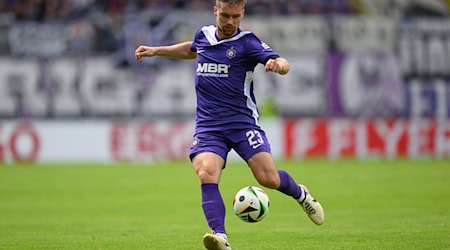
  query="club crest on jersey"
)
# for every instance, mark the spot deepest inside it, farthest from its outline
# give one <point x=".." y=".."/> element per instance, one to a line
<point x="231" y="52"/>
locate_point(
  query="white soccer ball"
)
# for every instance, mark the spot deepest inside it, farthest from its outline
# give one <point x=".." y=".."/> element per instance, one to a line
<point x="251" y="204"/>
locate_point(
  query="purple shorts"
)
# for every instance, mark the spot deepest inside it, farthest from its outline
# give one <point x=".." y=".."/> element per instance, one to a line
<point x="246" y="142"/>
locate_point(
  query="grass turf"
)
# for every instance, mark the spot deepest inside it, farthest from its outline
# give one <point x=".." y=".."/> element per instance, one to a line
<point x="369" y="205"/>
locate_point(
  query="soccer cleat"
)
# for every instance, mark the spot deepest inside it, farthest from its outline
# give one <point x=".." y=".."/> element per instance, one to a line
<point x="312" y="207"/>
<point x="215" y="242"/>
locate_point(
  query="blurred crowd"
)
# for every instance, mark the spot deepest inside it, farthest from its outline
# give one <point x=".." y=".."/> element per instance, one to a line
<point x="102" y="25"/>
<point x="49" y="10"/>
<point x="76" y="31"/>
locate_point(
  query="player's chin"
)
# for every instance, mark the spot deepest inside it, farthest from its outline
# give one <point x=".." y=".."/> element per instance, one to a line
<point x="229" y="31"/>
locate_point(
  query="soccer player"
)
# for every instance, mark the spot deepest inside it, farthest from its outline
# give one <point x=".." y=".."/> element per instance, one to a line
<point x="227" y="115"/>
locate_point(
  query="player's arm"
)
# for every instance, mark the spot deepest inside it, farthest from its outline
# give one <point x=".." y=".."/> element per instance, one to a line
<point x="176" y="51"/>
<point x="277" y="65"/>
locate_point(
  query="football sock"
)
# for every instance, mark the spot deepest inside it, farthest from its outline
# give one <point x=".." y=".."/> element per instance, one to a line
<point x="289" y="187"/>
<point x="213" y="207"/>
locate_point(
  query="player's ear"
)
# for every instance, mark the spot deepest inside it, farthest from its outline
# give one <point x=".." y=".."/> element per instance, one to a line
<point x="215" y="10"/>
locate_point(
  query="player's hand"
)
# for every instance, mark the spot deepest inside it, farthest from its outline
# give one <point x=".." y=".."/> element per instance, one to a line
<point x="272" y="66"/>
<point x="144" y="51"/>
<point x="278" y="65"/>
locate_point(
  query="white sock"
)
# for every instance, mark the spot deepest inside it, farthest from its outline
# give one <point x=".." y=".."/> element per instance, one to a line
<point x="302" y="197"/>
<point x="222" y="235"/>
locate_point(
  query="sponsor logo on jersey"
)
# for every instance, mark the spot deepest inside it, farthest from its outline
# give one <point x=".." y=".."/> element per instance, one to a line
<point x="213" y="69"/>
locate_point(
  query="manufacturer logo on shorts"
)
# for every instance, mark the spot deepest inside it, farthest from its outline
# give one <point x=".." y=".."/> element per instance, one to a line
<point x="195" y="142"/>
<point x="231" y="53"/>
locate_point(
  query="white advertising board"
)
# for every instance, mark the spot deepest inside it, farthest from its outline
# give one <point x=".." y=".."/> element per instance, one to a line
<point x="105" y="141"/>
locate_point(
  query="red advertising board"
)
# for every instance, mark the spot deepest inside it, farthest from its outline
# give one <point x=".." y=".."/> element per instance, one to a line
<point x="378" y="138"/>
<point x="148" y="141"/>
<point x="21" y="144"/>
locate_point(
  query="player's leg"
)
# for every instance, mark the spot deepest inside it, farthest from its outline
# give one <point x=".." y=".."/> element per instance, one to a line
<point x="264" y="170"/>
<point x="253" y="146"/>
<point x="208" y="157"/>
<point x="208" y="167"/>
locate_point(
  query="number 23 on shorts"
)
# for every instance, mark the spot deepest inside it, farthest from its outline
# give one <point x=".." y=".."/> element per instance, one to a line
<point x="254" y="138"/>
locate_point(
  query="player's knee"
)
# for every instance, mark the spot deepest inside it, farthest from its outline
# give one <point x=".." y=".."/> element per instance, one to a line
<point x="207" y="173"/>
<point x="204" y="172"/>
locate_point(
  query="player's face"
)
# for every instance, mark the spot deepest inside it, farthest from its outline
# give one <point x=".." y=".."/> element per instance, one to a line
<point x="228" y="18"/>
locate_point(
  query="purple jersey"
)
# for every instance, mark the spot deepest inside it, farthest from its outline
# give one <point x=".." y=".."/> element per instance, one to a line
<point x="224" y="78"/>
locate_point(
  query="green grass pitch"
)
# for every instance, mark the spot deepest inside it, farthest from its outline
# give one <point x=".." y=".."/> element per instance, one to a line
<point x="397" y="204"/>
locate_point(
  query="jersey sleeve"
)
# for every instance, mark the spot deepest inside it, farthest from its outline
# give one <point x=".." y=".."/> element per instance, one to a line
<point x="259" y="50"/>
<point x="193" y="46"/>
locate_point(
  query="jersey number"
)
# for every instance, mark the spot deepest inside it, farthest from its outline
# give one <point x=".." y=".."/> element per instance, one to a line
<point x="254" y="138"/>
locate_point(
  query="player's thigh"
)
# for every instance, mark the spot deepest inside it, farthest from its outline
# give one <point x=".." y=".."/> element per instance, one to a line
<point x="208" y="154"/>
<point x="254" y="147"/>
<point x="208" y="166"/>
<point x="248" y="142"/>
<point x="263" y="168"/>
<point x="212" y="142"/>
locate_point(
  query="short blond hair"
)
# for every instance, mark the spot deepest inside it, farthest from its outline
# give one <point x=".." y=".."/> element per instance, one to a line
<point x="231" y="2"/>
